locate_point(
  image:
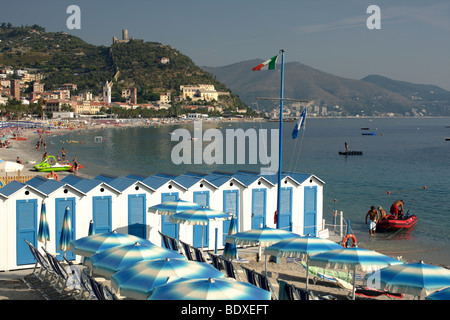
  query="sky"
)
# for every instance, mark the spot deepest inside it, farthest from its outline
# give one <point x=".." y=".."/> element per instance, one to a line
<point x="412" y="43"/>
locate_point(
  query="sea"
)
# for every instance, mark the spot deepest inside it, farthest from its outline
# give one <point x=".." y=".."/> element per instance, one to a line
<point x="403" y="159"/>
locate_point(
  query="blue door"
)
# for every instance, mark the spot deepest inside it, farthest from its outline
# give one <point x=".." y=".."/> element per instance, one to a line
<point x="26" y="215"/>
<point x="310" y="225"/>
<point x="258" y="208"/>
<point x="167" y="227"/>
<point x="60" y="209"/>
<point x="231" y="206"/>
<point x="201" y="198"/>
<point x="102" y="214"/>
<point x="136" y="215"/>
<point x="286" y="209"/>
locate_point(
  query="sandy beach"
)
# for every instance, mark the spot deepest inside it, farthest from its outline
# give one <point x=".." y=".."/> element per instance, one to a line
<point x="12" y="287"/>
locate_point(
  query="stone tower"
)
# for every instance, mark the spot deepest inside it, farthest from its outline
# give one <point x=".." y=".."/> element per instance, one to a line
<point x="107" y="92"/>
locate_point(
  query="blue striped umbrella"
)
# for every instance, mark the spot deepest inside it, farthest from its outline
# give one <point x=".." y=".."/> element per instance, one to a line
<point x="443" y="294"/>
<point x="136" y="281"/>
<point x="170" y="207"/>
<point x="109" y="261"/>
<point x="209" y="289"/>
<point x="87" y="246"/>
<point x="352" y="259"/>
<point x="300" y="248"/>
<point x="43" y="230"/>
<point x="230" y="250"/>
<point x="414" y="278"/>
<point x="262" y="236"/>
<point x="66" y="232"/>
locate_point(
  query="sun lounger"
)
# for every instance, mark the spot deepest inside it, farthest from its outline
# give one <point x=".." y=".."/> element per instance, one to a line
<point x="287" y="291"/>
<point x="215" y="261"/>
<point x="199" y="255"/>
<point x="173" y="243"/>
<point x="165" y="240"/>
<point x="44" y="267"/>
<point x="230" y="269"/>
<point x="251" y="278"/>
<point x="187" y="251"/>
<point x="264" y="283"/>
<point x="62" y="277"/>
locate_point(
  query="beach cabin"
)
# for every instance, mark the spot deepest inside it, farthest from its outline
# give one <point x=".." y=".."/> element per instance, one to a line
<point x="132" y="203"/>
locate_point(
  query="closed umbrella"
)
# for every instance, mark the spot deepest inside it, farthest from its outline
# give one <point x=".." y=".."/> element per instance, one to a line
<point x="209" y="289"/>
<point x="91" y="230"/>
<point x="89" y="245"/>
<point x="413" y="278"/>
<point x="201" y="216"/>
<point x="109" y="261"/>
<point x="43" y="230"/>
<point x="170" y="207"/>
<point x="230" y="249"/>
<point x="352" y="259"/>
<point x="66" y="232"/>
<point x="136" y="281"/>
<point x="300" y="248"/>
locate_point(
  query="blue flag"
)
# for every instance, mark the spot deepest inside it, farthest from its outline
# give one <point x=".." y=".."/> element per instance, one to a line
<point x="300" y="123"/>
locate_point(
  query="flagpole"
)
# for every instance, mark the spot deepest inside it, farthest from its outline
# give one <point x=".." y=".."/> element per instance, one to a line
<point x="280" y="139"/>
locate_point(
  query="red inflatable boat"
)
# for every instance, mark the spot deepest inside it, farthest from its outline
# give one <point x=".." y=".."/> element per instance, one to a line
<point x="395" y="224"/>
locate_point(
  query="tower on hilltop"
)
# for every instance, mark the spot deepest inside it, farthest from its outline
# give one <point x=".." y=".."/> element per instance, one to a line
<point x="107" y="92"/>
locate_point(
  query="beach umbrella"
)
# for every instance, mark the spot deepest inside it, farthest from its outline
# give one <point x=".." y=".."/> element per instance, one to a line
<point x="230" y="249"/>
<point x="443" y="294"/>
<point x="89" y="245"/>
<point x="352" y="259"/>
<point x="10" y="166"/>
<point x="43" y="230"/>
<point x="136" y="281"/>
<point x="66" y="232"/>
<point x="91" y="230"/>
<point x="413" y="278"/>
<point x="302" y="247"/>
<point x="209" y="289"/>
<point x="170" y="207"/>
<point x="109" y="261"/>
<point x="200" y="216"/>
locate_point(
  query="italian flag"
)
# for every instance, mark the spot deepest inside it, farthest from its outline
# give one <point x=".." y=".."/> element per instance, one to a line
<point x="267" y="65"/>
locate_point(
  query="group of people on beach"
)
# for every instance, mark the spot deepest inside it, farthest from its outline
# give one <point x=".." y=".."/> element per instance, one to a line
<point x="374" y="215"/>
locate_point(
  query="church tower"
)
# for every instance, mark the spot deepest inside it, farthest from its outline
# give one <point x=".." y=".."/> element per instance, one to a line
<point x="107" y="92"/>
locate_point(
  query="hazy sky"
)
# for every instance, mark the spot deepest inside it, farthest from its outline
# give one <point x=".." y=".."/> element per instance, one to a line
<point x="413" y="43"/>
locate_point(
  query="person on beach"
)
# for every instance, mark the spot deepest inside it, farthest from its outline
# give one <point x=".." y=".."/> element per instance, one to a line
<point x="63" y="154"/>
<point x="19" y="161"/>
<point x="382" y="213"/>
<point x="373" y="216"/>
<point x="44" y="156"/>
<point x="75" y="166"/>
<point x="37" y="145"/>
<point x="397" y="208"/>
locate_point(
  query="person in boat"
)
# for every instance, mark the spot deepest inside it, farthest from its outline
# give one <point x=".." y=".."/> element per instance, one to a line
<point x="373" y="217"/>
<point x="397" y="209"/>
<point x="346" y="147"/>
<point x="382" y="213"/>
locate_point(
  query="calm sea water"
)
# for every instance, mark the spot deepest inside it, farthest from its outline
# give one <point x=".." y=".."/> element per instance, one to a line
<point x="408" y="157"/>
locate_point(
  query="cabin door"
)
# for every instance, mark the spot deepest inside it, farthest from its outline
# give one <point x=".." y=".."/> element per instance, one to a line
<point x="26" y="214"/>
<point x="136" y="215"/>
<point x="231" y="206"/>
<point x="258" y="208"/>
<point x="60" y="209"/>
<point x="102" y="214"/>
<point x="167" y="227"/>
<point x="310" y="221"/>
<point x="286" y="209"/>
<point x="201" y="198"/>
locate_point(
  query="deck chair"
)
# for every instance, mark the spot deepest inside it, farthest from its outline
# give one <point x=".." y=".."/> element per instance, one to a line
<point x="215" y="261"/>
<point x="319" y="273"/>
<point x="86" y="292"/>
<point x="44" y="267"/>
<point x="251" y="278"/>
<point x="287" y="291"/>
<point x="173" y="243"/>
<point x="302" y="294"/>
<point x="165" y="240"/>
<point x="187" y="251"/>
<point x="230" y="269"/>
<point x="62" y="277"/>
<point x="199" y="255"/>
<point x="264" y="283"/>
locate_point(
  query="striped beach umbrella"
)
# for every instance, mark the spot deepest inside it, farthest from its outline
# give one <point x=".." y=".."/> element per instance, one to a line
<point x="413" y="278"/>
<point x="443" y="294"/>
<point x="43" y="230"/>
<point x="209" y="289"/>
<point x="66" y="232"/>
<point x="302" y="247"/>
<point x="170" y="207"/>
<point x="89" y="245"/>
<point x="91" y="230"/>
<point x="352" y="259"/>
<point x="262" y="236"/>
<point x="109" y="261"/>
<point x="230" y="249"/>
<point x="136" y="281"/>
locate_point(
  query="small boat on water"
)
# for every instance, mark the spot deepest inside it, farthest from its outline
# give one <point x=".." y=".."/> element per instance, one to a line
<point x="351" y="153"/>
<point x="368" y="134"/>
<point x="390" y="224"/>
<point x="50" y="164"/>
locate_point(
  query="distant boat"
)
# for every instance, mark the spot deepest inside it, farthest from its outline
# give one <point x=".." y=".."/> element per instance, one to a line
<point x="351" y="153"/>
<point x="364" y="128"/>
<point x="368" y="133"/>
<point x="447" y="139"/>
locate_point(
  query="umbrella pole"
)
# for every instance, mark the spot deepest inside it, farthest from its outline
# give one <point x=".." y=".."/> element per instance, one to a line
<point x="354" y="282"/>
<point x="202" y="238"/>
<point x="307" y="274"/>
<point x="265" y="264"/>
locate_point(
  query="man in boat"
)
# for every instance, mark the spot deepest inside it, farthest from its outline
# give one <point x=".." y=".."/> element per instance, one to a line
<point x="373" y="216"/>
<point x="382" y="213"/>
<point x="397" y="209"/>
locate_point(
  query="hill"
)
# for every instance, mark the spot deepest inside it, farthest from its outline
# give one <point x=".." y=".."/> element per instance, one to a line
<point x="369" y="96"/>
<point x="64" y="58"/>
